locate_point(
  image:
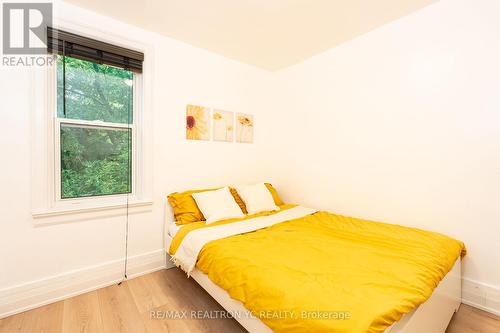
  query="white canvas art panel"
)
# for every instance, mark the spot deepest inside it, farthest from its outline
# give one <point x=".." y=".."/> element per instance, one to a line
<point x="244" y="128"/>
<point x="223" y="125"/>
<point x="197" y="122"/>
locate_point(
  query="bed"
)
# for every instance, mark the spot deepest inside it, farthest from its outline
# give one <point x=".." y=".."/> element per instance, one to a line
<point x="431" y="316"/>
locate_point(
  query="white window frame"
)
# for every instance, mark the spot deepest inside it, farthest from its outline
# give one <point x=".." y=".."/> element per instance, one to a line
<point x="47" y="205"/>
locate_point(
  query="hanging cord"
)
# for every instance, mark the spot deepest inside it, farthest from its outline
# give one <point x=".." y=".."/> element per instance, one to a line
<point x="126" y="245"/>
<point x="129" y="162"/>
<point x="126" y="238"/>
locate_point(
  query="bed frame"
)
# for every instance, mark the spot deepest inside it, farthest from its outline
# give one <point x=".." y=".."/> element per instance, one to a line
<point x="433" y="316"/>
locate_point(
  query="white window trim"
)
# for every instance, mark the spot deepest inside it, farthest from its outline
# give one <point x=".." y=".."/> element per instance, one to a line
<point x="47" y="207"/>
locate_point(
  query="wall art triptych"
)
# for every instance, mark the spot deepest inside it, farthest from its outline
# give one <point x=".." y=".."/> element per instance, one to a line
<point x="203" y="123"/>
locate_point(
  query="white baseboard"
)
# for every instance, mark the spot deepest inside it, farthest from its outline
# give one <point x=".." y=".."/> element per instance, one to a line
<point x="55" y="288"/>
<point x="480" y="295"/>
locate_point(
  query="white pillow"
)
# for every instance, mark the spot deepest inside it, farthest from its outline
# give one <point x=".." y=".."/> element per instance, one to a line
<point x="257" y="198"/>
<point x="217" y="205"/>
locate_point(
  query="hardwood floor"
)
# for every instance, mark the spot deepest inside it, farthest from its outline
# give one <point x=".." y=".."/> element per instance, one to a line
<point x="128" y="308"/>
<point x="472" y="320"/>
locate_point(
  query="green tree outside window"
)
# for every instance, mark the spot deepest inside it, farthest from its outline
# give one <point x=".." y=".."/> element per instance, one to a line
<point x="95" y="157"/>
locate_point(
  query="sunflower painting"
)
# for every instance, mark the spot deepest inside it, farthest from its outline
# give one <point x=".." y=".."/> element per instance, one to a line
<point x="244" y="128"/>
<point x="223" y="125"/>
<point x="197" y="123"/>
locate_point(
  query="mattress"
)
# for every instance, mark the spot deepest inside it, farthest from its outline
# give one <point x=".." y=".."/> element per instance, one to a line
<point x="173" y="228"/>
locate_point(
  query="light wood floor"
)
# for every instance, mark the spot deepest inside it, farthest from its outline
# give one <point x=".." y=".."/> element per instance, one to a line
<point x="127" y="308"/>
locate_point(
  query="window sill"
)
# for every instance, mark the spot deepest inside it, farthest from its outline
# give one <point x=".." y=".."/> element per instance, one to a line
<point x="73" y="214"/>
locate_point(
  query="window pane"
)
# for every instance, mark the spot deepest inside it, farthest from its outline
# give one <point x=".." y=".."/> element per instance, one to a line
<point x="95" y="161"/>
<point x="93" y="91"/>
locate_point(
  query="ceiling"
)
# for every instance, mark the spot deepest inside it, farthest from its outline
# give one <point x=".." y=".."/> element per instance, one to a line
<point x="271" y="34"/>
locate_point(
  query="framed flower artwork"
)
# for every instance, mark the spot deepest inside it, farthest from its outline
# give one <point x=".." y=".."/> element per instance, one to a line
<point x="197" y="122"/>
<point x="244" y="128"/>
<point x="223" y="125"/>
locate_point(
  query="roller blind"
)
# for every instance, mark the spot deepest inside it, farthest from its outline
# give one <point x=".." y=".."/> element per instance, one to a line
<point x="69" y="44"/>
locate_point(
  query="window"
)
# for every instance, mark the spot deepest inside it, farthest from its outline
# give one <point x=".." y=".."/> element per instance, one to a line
<point x="96" y="104"/>
<point x="95" y="128"/>
<point x="91" y="137"/>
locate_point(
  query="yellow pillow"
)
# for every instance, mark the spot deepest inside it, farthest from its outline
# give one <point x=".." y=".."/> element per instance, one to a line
<point x="185" y="208"/>
<point x="186" y="211"/>
<point x="239" y="201"/>
<point x="274" y="193"/>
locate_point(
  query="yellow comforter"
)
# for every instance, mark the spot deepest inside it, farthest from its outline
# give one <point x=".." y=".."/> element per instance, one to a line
<point x="330" y="273"/>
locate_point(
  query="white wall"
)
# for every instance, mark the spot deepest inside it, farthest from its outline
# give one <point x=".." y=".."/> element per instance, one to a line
<point x="403" y="125"/>
<point x="399" y="125"/>
<point x="182" y="74"/>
